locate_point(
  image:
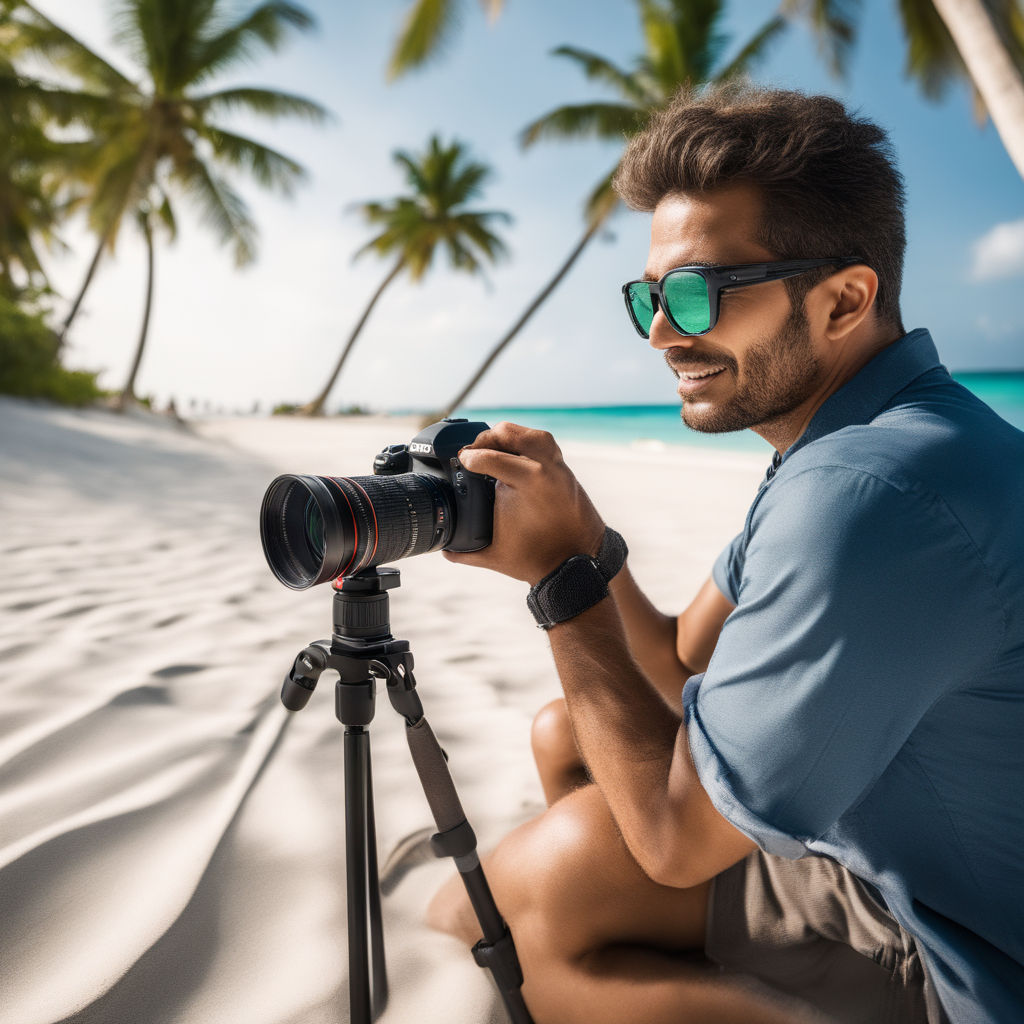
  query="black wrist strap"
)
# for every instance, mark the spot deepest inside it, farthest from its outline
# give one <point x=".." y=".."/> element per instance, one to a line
<point x="577" y="584"/>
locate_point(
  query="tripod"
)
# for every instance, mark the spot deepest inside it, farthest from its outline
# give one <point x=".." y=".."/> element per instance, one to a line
<point x="362" y="650"/>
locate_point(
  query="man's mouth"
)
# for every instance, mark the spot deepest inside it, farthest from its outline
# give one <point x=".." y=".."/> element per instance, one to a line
<point x="699" y="374"/>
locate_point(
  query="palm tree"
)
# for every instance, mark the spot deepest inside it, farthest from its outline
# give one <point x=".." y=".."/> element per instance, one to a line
<point x="159" y="135"/>
<point x="433" y="214"/>
<point x="427" y="28"/>
<point x="145" y="216"/>
<point x="980" y="41"/>
<point x="33" y="195"/>
<point x="684" y="46"/>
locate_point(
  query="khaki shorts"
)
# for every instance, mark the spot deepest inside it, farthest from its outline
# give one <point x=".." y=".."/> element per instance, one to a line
<point x="811" y="929"/>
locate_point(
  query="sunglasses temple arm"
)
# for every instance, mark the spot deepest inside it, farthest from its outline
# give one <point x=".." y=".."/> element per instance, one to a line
<point x="784" y="270"/>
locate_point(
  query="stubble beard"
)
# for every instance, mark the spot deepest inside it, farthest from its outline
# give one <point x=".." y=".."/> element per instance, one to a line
<point x="780" y="372"/>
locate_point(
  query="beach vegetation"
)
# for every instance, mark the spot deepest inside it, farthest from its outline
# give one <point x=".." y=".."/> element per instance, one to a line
<point x="684" y="45"/>
<point x="431" y="215"/>
<point x="30" y="360"/>
<point x="158" y="133"/>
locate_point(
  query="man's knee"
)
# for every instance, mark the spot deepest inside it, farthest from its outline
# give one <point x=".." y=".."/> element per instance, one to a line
<point x="551" y="735"/>
<point x="546" y="868"/>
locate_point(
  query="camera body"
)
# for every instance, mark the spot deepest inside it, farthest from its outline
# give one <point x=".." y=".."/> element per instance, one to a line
<point x="434" y="452"/>
<point x="420" y="498"/>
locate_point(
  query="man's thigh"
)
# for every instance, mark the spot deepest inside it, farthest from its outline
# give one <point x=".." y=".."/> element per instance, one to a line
<point x="568" y="886"/>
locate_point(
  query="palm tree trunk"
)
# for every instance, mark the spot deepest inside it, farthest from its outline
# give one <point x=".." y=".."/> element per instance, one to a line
<point x="518" y="325"/>
<point x="128" y="391"/>
<point x="997" y="79"/>
<point x="81" y="291"/>
<point x="316" y="407"/>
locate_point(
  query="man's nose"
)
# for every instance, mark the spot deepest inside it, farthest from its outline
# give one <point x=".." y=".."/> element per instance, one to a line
<point x="663" y="335"/>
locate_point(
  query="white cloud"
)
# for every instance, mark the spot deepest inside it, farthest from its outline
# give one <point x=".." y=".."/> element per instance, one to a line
<point x="999" y="252"/>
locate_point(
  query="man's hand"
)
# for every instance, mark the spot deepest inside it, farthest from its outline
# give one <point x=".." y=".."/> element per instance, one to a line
<point x="541" y="514"/>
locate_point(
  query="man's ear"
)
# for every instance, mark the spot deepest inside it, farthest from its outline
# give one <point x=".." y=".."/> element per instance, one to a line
<point x="841" y="302"/>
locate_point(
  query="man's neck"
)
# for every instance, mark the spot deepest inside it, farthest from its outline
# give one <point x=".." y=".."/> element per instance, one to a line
<point x="784" y="431"/>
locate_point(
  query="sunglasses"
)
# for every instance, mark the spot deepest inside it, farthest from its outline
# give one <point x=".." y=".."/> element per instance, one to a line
<point x="689" y="296"/>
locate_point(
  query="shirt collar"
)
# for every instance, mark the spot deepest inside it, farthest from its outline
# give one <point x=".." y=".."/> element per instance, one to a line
<point x="865" y="394"/>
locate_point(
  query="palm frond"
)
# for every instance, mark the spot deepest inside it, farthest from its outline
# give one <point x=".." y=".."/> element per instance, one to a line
<point x="834" y="24"/>
<point x="755" y="51"/>
<point x="265" y="28"/>
<point x="466" y="183"/>
<point x="693" y="39"/>
<point x="29" y="31"/>
<point x="167" y="217"/>
<point x="426" y="30"/>
<point x="473" y="226"/>
<point x="460" y="256"/>
<point x="584" y="120"/>
<point x="603" y="200"/>
<point x="932" y="56"/>
<point x="266" y="102"/>
<point x="270" y="168"/>
<point x="413" y="171"/>
<point x="57" y="105"/>
<point x="662" y="50"/>
<point x="599" y="69"/>
<point x="221" y="208"/>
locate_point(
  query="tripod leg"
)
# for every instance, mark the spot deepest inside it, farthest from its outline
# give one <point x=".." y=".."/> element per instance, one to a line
<point x="456" y="839"/>
<point x="356" y="760"/>
<point x="380" y="977"/>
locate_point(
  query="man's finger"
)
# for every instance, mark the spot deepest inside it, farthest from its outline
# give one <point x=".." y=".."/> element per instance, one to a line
<point x="464" y="557"/>
<point x="509" y="469"/>
<point x="519" y="440"/>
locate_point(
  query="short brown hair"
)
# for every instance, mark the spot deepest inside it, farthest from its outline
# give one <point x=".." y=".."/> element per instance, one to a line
<point x="828" y="179"/>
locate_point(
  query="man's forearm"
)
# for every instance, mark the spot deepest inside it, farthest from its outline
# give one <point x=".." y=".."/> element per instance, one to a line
<point x="635" y="748"/>
<point x="651" y="635"/>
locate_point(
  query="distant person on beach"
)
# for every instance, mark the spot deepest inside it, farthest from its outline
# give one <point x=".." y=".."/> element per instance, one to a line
<point x="813" y="775"/>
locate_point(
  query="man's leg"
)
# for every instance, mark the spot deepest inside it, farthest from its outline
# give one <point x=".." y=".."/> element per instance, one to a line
<point x="559" y="765"/>
<point x="598" y="941"/>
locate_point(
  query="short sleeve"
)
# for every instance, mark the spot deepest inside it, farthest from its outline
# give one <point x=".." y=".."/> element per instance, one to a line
<point x="861" y="604"/>
<point x="727" y="568"/>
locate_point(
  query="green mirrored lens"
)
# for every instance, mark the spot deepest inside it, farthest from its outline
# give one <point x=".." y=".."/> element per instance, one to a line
<point x="641" y="304"/>
<point x="686" y="296"/>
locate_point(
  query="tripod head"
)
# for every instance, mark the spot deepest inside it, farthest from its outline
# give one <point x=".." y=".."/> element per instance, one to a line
<point x="361" y="649"/>
<point x="361" y="607"/>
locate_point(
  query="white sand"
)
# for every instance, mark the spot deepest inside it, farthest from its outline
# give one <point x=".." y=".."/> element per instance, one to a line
<point x="171" y="841"/>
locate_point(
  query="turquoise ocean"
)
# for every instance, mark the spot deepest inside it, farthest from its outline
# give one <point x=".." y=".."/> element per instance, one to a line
<point x="622" y="424"/>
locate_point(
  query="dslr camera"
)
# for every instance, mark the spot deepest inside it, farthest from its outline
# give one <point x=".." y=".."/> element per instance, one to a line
<point x="420" y="498"/>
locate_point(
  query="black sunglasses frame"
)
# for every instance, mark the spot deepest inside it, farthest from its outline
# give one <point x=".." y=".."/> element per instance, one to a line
<point x="718" y="279"/>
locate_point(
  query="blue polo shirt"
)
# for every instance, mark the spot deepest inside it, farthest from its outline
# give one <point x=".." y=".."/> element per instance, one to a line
<point x="865" y="700"/>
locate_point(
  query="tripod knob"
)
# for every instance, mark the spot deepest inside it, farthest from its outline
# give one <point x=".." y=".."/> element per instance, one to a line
<point x="301" y="681"/>
<point x="295" y="693"/>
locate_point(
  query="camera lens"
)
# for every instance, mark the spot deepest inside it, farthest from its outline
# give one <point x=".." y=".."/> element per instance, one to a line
<point x="314" y="535"/>
<point x="316" y="528"/>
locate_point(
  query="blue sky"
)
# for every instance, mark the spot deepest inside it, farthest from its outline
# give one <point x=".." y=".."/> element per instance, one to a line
<point x="272" y="333"/>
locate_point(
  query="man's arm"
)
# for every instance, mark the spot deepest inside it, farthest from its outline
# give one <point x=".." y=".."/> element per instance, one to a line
<point x="669" y="649"/>
<point x="633" y="742"/>
<point x="637" y="752"/>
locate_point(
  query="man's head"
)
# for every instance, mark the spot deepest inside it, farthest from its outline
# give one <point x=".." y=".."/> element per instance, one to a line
<point x="743" y="175"/>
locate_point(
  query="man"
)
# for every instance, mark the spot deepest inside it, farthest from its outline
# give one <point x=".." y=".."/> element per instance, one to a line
<point x="834" y="804"/>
